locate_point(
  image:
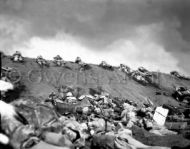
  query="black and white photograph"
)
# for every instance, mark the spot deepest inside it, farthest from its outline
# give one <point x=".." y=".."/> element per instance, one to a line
<point x="95" y="74"/>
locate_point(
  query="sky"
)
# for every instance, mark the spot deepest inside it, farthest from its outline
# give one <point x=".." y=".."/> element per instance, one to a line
<point x="150" y="33"/>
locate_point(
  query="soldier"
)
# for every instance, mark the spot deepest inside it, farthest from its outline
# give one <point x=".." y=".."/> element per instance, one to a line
<point x="17" y="53"/>
<point x="78" y="60"/>
<point x="124" y="68"/>
<point x="17" y="57"/>
<point x="41" y="61"/>
<point x="58" y="60"/>
<point x="39" y="58"/>
<point x="105" y="65"/>
<point x="83" y="66"/>
<point x="121" y="67"/>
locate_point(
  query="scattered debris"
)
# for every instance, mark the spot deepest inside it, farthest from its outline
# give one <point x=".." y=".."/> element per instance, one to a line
<point x="78" y="119"/>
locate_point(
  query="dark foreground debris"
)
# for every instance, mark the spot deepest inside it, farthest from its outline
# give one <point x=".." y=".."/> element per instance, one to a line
<point x="89" y="121"/>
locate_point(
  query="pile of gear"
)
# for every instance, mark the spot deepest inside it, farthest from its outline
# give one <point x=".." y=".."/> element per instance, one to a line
<point x="91" y="121"/>
<point x="180" y="76"/>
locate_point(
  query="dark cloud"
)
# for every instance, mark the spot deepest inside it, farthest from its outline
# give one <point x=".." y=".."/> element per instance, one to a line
<point x="97" y="23"/>
<point x="106" y="20"/>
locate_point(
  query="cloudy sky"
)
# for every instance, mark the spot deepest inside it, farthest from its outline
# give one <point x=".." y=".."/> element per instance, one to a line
<point x="150" y="33"/>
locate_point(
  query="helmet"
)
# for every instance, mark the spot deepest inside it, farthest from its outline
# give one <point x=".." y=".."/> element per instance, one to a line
<point x="104" y="63"/>
<point x="58" y="57"/>
<point x="17" y="52"/>
<point x="39" y="56"/>
<point x="78" y="59"/>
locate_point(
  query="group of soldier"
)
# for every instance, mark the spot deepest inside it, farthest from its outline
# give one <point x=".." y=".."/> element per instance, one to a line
<point x="141" y="75"/>
<point x="58" y="61"/>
